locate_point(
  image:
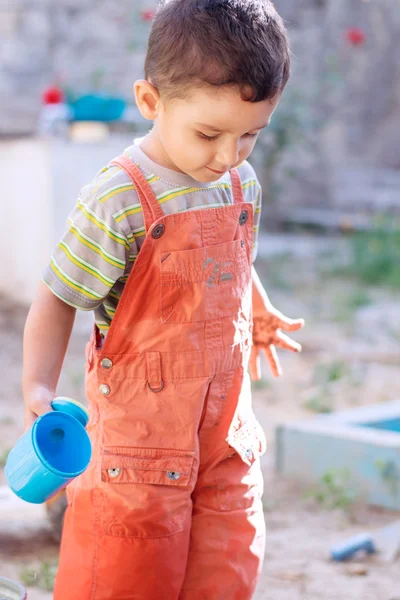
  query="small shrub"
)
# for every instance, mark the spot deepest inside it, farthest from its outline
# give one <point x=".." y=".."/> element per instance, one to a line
<point x="334" y="490"/>
<point x="41" y="576"/>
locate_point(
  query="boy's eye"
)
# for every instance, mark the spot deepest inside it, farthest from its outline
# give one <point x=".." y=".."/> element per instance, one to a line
<point x="209" y="138"/>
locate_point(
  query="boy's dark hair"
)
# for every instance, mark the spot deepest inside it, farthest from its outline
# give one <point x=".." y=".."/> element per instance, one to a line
<point x="218" y="42"/>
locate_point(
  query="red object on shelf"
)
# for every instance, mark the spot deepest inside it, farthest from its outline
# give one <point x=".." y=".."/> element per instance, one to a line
<point x="356" y="36"/>
<point x="52" y="95"/>
<point x="147" y="15"/>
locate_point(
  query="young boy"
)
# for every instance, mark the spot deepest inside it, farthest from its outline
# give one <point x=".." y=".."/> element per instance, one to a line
<point x="160" y="246"/>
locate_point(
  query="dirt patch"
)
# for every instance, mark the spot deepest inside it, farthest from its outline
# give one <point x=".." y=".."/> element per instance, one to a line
<point x="350" y="358"/>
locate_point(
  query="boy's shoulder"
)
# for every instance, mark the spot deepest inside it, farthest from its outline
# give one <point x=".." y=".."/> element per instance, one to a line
<point x="110" y="181"/>
<point x="111" y="196"/>
<point x="250" y="184"/>
<point x="246" y="171"/>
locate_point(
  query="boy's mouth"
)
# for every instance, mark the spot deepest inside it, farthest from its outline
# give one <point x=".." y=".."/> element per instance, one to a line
<point x="214" y="171"/>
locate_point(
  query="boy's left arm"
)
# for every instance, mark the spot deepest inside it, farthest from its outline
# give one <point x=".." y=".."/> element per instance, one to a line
<point x="267" y="335"/>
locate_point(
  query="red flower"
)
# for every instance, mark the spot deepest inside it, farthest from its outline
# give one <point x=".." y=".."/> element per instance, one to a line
<point x="52" y="95"/>
<point x="356" y="36"/>
<point x="147" y="15"/>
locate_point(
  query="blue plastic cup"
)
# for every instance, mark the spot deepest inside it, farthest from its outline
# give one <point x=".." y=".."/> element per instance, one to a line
<point x="54" y="451"/>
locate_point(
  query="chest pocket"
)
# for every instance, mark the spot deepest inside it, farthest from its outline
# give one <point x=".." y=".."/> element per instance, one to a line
<point x="205" y="283"/>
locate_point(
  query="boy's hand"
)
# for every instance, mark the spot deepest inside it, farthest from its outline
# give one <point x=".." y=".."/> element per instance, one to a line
<point x="267" y="336"/>
<point x="37" y="402"/>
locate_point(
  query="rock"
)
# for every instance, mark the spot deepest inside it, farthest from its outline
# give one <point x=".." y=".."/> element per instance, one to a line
<point x="293" y="576"/>
<point x="356" y="570"/>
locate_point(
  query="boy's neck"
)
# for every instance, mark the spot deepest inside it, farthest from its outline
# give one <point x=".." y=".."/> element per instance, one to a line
<point x="151" y="145"/>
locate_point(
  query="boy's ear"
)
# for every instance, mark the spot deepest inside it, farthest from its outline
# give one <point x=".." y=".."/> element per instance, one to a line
<point x="147" y="98"/>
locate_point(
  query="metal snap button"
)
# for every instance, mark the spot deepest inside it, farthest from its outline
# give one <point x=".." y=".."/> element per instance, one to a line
<point x="114" y="472"/>
<point x="244" y="215"/>
<point x="248" y="453"/>
<point x="106" y="363"/>
<point x="173" y="475"/>
<point x="104" y="389"/>
<point x="158" y="231"/>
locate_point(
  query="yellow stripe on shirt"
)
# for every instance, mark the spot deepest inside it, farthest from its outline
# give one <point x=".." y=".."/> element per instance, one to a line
<point x="95" y="246"/>
<point x="129" y="210"/>
<point x="85" y="266"/>
<point x="249" y="183"/>
<point x="72" y="283"/>
<point x="118" y="189"/>
<point x="109" y="231"/>
<point x="182" y="191"/>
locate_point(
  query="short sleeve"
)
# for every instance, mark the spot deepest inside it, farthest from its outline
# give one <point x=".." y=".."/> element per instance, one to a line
<point x="252" y="193"/>
<point x="91" y="256"/>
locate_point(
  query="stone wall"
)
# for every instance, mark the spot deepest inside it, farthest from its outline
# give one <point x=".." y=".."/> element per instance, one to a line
<point x="354" y="91"/>
<point x="342" y="108"/>
<point x="85" y="45"/>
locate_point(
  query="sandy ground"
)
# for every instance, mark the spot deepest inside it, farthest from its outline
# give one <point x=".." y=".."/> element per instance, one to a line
<point x="350" y="358"/>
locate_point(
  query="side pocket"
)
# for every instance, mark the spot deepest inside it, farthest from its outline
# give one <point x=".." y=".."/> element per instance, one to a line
<point x="146" y="491"/>
<point x="248" y="440"/>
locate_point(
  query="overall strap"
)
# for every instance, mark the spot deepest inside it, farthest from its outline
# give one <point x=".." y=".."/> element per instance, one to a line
<point x="152" y="211"/>
<point x="237" y="190"/>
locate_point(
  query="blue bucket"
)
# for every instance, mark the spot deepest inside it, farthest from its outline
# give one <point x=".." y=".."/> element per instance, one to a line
<point x="54" y="451"/>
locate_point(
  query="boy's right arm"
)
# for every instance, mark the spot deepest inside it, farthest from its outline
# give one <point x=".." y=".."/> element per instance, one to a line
<point x="47" y="332"/>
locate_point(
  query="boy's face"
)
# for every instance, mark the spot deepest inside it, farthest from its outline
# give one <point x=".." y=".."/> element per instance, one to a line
<point x="208" y="133"/>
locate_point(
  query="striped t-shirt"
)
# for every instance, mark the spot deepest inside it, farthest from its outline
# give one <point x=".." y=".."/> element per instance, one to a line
<point x="92" y="262"/>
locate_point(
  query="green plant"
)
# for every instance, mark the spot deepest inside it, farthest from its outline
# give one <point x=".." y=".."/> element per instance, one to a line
<point x="288" y="130"/>
<point x="377" y="256"/>
<point x="334" y="489"/>
<point x="374" y="256"/>
<point x="261" y="384"/>
<point x="275" y="271"/>
<point x="389" y="475"/>
<point x="329" y="372"/>
<point x="41" y="576"/>
<point x="321" y="402"/>
<point x="140" y="27"/>
<point x="325" y="374"/>
<point x="350" y="303"/>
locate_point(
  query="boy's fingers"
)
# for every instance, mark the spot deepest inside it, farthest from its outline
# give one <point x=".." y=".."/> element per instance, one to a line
<point x="29" y="419"/>
<point x="291" y="324"/>
<point x="285" y="342"/>
<point x="272" y="357"/>
<point x="255" y="365"/>
<point x="40" y="407"/>
<point x="36" y="406"/>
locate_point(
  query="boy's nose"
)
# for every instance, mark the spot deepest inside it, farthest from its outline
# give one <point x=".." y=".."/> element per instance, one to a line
<point x="228" y="156"/>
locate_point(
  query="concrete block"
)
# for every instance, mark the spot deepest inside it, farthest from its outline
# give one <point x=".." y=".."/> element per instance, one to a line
<point x="41" y="182"/>
<point x="365" y="441"/>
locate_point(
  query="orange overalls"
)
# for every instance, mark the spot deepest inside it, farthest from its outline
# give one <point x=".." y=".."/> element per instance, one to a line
<point x="170" y="505"/>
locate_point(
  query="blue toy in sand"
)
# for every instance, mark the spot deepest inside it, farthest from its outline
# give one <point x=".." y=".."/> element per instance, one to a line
<point x="54" y="451"/>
